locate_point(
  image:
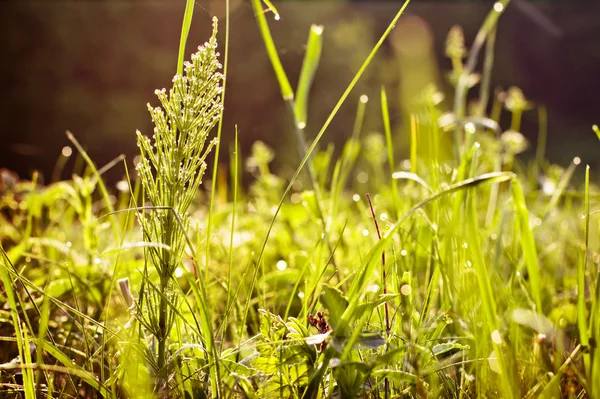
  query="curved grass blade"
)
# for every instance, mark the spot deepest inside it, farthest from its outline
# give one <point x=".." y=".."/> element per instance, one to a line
<point x="284" y="83"/>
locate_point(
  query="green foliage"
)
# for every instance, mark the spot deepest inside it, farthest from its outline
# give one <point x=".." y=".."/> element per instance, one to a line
<point x="490" y="285"/>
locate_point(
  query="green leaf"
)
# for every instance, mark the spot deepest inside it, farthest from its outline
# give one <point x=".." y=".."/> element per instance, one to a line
<point x="309" y="201"/>
<point x="369" y="306"/>
<point x="335" y="303"/>
<point x="527" y="243"/>
<point x="371" y="340"/>
<point x="59" y="287"/>
<point x="391" y="356"/>
<point x="396" y="375"/>
<point x="446" y="347"/>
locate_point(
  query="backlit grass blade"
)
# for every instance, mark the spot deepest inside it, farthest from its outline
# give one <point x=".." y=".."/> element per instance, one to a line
<point x="540" y="152"/>
<point x="561" y="187"/>
<point x="271" y="7"/>
<point x="235" y="173"/>
<point x="307" y="73"/>
<point x="185" y="30"/>
<point x="27" y="373"/>
<point x="594" y="324"/>
<point x="595" y="336"/>
<point x="42" y="330"/>
<point x="414" y="142"/>
<point x="582" y="311"/>
<point x="488" y="64"/>
<point x="284" y="83"/>
<point x="527" y="243"/>
<point x="385" y="114"/>
<point x="487" y="296"/>
<point x="14" y="308"/>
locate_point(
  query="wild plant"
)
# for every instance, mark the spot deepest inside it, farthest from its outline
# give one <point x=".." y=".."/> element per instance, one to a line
<point x="171" y="168"/>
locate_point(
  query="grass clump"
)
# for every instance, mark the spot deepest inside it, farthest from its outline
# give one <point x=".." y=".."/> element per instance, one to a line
<point x="463" y="274"/>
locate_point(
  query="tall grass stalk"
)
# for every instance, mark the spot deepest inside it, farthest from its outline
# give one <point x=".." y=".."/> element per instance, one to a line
<point x="385" y="290"/>
<point x="385" y="114"/>
<point x="582" y="311"/>
<point x="171" y="170"/>
<point x="218" y="145"/>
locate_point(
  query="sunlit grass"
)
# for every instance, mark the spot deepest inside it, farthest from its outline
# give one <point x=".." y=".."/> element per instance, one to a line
<point x="463" y="275"/>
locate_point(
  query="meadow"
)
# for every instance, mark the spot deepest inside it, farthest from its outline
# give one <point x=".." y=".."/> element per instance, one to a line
<point x="460" y="270"/>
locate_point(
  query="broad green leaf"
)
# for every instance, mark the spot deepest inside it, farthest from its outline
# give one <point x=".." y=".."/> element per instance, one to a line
<point x="335" y="303"/>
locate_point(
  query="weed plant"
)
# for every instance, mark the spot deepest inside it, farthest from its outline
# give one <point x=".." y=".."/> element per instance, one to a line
<point x="459" y="272"/>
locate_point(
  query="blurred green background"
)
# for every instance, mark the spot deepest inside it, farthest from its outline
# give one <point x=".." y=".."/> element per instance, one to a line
<point x="91" y="67"/>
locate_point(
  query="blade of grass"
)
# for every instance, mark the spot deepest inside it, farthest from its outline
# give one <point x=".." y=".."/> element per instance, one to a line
<point x="540" y="152"/>
<point x="593" y="331"/>
<point x="560" y="188"/>
<point x="284" y="83"/>
<point x="185" y="30"/>
<point x="27" y="373"/>
<point x="384" y="281"/>
<point x="41" y="339"/>
<point x="413" y="143"/>
<point x="487" y="296"/>
<point x="20" y="329"/>
<point x="488" y="64"/>
<point x="385" y="113"/>
<point x="596" y="130"/>
<point x="527" y="244"/>
<point x="230" y="289"/>
<point x="581" y="269"/>
<point x="271" y="7"/>
<point x="312" y="56"/>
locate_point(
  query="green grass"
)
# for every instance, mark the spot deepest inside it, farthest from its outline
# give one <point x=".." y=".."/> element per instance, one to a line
<point x="460" y="274"/>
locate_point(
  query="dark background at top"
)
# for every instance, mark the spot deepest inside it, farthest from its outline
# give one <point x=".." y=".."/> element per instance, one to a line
<point x="91" y="67"/>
